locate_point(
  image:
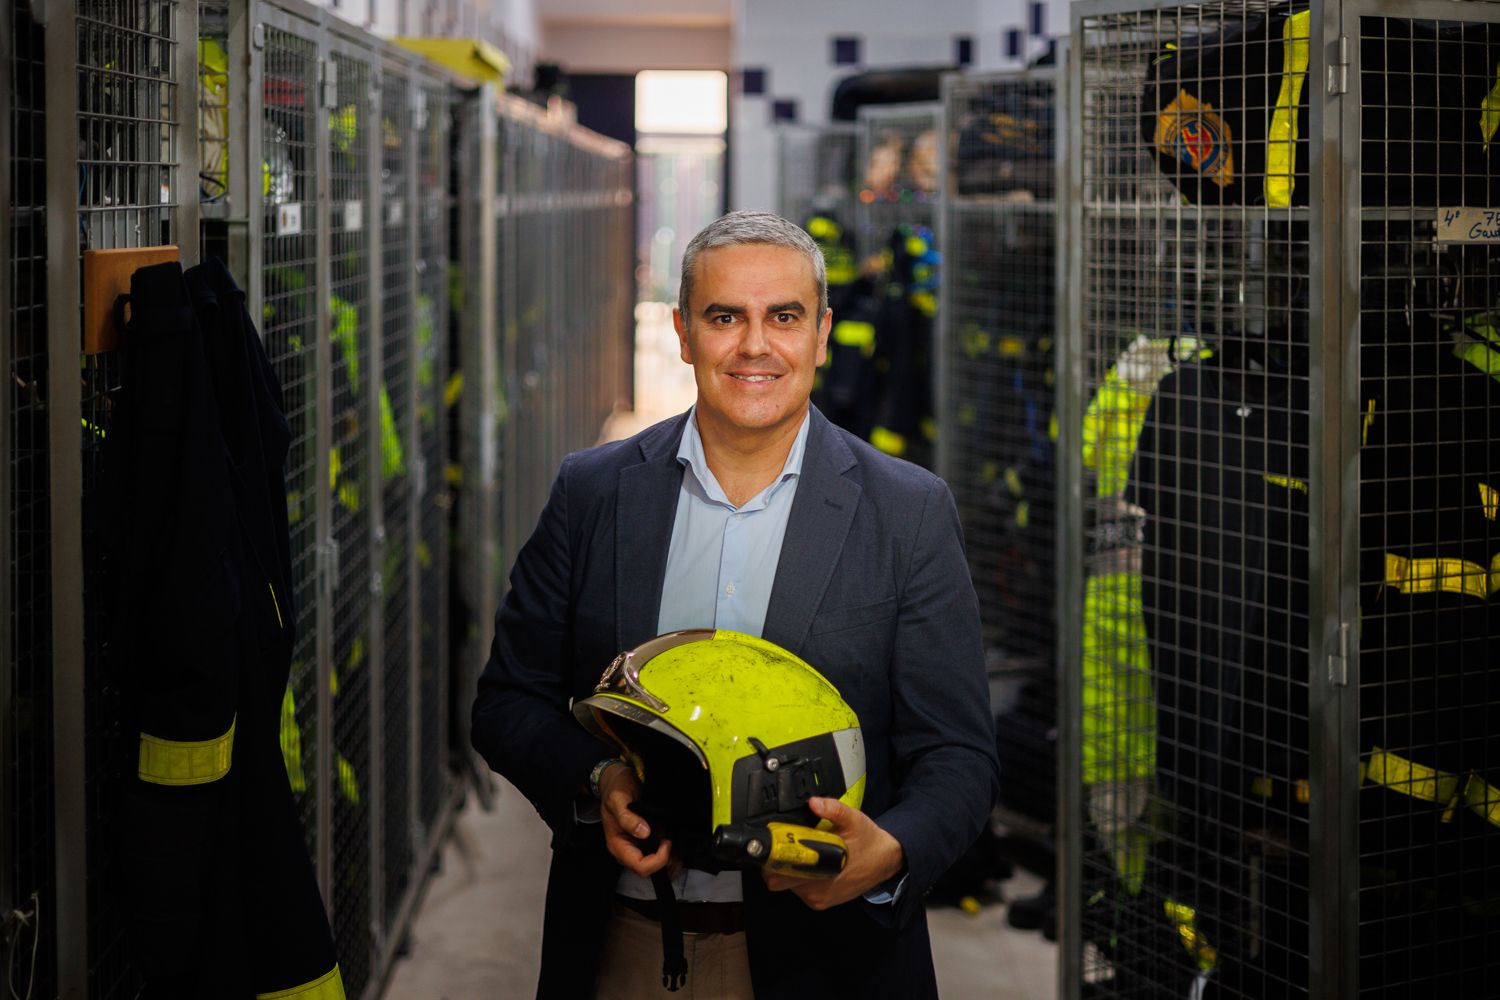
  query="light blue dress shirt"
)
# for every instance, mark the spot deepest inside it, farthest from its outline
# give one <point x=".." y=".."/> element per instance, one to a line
<point x="720" y="569"/>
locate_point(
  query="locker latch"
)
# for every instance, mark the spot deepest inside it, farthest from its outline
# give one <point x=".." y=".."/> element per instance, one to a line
<point x="1338" y="664"/>
<point x="327" y="557"/>
<point x="1338" y="71"/>
<point x="328" y="85"/>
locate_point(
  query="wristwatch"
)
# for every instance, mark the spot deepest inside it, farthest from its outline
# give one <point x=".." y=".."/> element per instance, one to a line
<point x="598" y="772"/>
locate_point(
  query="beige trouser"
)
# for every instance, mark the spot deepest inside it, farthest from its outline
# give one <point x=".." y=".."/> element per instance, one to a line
<point x="718" y="965"/>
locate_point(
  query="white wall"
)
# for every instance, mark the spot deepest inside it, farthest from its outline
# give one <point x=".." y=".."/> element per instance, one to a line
<point x="791" y="40"/>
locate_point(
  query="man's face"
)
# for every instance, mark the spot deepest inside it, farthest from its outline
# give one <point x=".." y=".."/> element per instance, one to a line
<point x="754" y="338"/>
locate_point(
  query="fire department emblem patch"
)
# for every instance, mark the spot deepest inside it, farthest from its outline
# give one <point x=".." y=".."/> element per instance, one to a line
<point x="1189" y="131"/>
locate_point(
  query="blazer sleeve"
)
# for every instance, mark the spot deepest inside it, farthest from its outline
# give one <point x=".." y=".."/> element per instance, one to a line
<point x="944" y="735"/>
<point x="522" y="722"/>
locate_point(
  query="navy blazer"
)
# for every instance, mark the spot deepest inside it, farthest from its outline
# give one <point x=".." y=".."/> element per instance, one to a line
<point x="872" y="589"/>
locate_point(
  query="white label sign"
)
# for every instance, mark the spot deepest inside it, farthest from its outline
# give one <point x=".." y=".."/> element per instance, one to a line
<point x="395" y="212"/>
<point x="1468" y="225"/>
<point x="354" y="216"/>
<point x="289" y="219"/>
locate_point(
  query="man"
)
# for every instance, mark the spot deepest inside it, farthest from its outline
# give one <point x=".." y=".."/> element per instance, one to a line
<point x="749" y="512"/>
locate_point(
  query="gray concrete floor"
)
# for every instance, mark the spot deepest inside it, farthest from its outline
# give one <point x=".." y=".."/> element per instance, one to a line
<point x="477" y="935"/>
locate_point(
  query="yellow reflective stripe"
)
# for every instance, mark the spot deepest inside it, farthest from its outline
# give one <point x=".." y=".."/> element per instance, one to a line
<point x="275" y="604"/>
<point x="1281" y="141"/>
<point x="1185" y="917"/>
<point x="888" y="441"/>
<point x="1489" y="112"/>
<point x="1023" y="514"/>
<point x="329" y="986"/>
<point x="453" y="390"/>
<point x="1364" y="433"/>
<point x="1428" y="576"/>
<point x="291" y="739"/>
<point x="177" y="762"/>
<point x="1483" y="798"/>
<point x="1262" y="787"/>
<point x="1489" y="499"/>
<point x="1404" y="777"/>
<point x="852" y="333"/>
<point x="348" y="780"/>
<point x="1287" y="482"/>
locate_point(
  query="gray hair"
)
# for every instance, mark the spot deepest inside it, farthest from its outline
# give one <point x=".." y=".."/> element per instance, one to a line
<point x="744" y="229"/>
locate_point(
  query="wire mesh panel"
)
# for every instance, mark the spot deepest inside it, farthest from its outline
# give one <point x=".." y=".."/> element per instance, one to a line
<point x="350" y="381"/>
<point x="532" y="256"/>
<point x="433" y="499"/>
<point x="289" y="324"/>
<point x="1428" y="425"/>
<point x="213" y="125"/>
<point x="816" y="170"/>
<point x="128" y="136"/>
<point x="996" y="400"/>
<point x="1196" y="318"/>
<point x="398" y="315"/>
<point x="26" y="755"/>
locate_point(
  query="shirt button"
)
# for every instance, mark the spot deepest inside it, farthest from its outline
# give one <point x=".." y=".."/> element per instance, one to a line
<point x="729" y="588"/>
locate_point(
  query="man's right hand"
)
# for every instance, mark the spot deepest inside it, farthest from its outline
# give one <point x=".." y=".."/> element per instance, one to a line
<point x="623" y="829"/>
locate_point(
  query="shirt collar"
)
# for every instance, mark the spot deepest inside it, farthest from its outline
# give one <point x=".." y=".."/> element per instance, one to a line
<point x="691" y="455"/>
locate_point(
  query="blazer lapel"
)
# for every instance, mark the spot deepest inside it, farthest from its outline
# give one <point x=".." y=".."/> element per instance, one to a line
<point x="646" y="507"/>
<point x="815" y="531"/>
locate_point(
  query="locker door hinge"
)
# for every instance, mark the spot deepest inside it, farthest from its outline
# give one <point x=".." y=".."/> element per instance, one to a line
<point x="377" y="575"/>
<point x="328" y="84"/>
<point x="258" y="37"/>
<point x="327" y="557"/>
<point x="1338" y="71"/>
<point x="419" y="109"/>
<point x="1338" y="664"/>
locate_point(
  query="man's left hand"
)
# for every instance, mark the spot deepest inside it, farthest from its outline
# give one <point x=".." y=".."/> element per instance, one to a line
<point x="874" y="857"/>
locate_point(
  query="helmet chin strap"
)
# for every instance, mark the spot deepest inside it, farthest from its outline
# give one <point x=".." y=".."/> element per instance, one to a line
<point x="673" y="959"/>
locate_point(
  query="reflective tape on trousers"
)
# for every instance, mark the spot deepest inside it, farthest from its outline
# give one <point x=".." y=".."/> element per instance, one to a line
<point x="1428" y="576"/>
<point x="177" y="762"/>
<point x="329" y="986"/>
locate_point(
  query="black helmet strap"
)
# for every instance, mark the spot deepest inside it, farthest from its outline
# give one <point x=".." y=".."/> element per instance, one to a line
<point x="673" y="958"/>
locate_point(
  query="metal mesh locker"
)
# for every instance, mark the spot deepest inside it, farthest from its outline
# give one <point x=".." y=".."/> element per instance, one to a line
<point x="289" y="325"/>
<point x="128" y="137"/>
<point x="350" y="385"/>
<point x="1285" y="728"/>
<point x="997" y="328"/>
<point x="1195" y="639"/>
<point x="397" y="388"/>
<point x="28" y="834"/>
<point x="433" y="497"/>
<point x="1422" y="797"/>
<point x="897" y="171"/>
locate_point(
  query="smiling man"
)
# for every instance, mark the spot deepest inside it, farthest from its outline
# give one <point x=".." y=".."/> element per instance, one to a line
<point x="750" y="512"/>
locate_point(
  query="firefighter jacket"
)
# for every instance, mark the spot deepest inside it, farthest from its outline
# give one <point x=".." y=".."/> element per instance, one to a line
<point x="1217" y="470"/>
<point x="903" y="352"/>
<point x="1222" y="471"/>
<point x="226" y="903"/>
